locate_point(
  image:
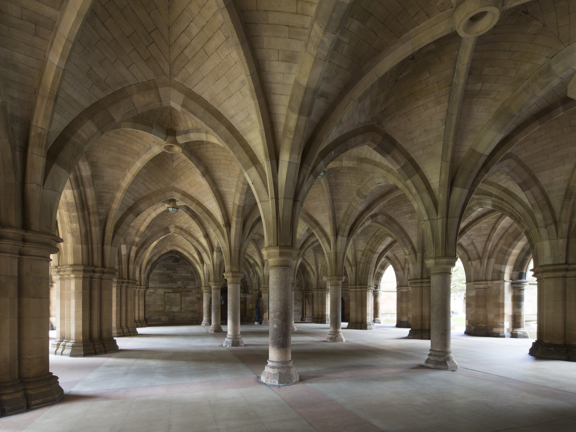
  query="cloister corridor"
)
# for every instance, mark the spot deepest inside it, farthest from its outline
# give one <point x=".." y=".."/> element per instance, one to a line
<point x="180" y="378"/>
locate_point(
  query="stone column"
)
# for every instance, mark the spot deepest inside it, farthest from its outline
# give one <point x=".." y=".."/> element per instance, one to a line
<point x="294" y="328"/>
<point x="130" y="306"/>
<point x="403" y="307"/>
<point x="476" y="308"/>
<point x="360" y="307"/>
<point x="420" y="309"/>
<point x="95" y="309"/>
<point x="518" y="287"/>
<point x="12" y="398"/>
<point x="280" y="370"/>
<point x="216" y="327"/>
<point x="40" y="386"/>
<point x="556" y="313"/>
<point x="206" y="293"/>
<point x="78" y="343"/>
<point x="117" y="296"/>
<point x="319" y="306"/>
<point x="335" y="333"/>
<point x="264" y="306"/>
<point x="308" y="317"/>
<point x="60" y="282"/>
<point x="377" y="295"/>
<point x="440" y="356"/>
<point x="106" y="310"/>
<point x="233" y="337"/>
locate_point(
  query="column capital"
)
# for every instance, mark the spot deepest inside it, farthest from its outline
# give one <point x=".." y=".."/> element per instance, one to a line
<point x="441" y="264"/>
<point x="233" y="277"/>
<point x="206" y="289"/>
<point x="10" y="240"/>
<point x="39" y="245"/>
<point x="108" y="273"/>
<point x="280" y="256"/>
<point x="215" y="285"/>
<point x="555" y="271"/>
<point x="336" y="280"/>
<point x="264" y="288"/>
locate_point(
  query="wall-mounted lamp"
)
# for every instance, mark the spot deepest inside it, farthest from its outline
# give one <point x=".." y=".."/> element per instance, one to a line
<point x="321" y="175"/>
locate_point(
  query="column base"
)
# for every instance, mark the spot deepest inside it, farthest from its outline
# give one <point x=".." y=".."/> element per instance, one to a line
<point x="548" y="351"/>
<point x="78" y="349"/>
<point x="132" y="331"/>
<point x="441" y="360"/>
<point x="519" y="334"/>
<point x="265" y="322"/>
<point x="279" y="373"/>
<point x="110" y="345"/>
<point x="419" y="334"/>
<point x="42" y="391"/>
<point x="403" y="324"/>
<point x="335" y="337"/>
<point x="360" y="326"/>
<point x="57" y="346"/>
<point x="256" y="323"/>
<point x="118" y="332"/>
<point x="231" y="341"/>
<point x="294" y="328"/>
<point x="205" y="323"/>
<point x="12" y="400"/>
<point x="99" y="347"/>
<point x="215" y="328"/>
<point x="377" y="321"/>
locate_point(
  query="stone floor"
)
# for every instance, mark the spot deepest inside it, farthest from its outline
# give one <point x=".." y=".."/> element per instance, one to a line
<point x="180" y="379"/>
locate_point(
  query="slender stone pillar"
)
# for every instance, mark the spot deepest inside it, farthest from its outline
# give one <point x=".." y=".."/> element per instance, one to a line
<point x="476" y="308"/>
<point x="403" y="307"/>
<point x="130" y="306"/>
<point x="264" y="306"/>
<point x="280" y="370"/>
<point x="216" y="327"/>
<point x="60" y="281"/>
<point x="142" y="307"/>
<point x="78" y="343"/>
<point x="117" y="300"/>
<point x="106" y="310"/>
<point x="377" y="295"/>
<point x="40" y="386"/>
<point x="206" y="293"/>
<point x="518" y="325"/>
<point x="233" y="337"/>
<point x="319" y="306"/>
<point x="12" y="398"/>
<point x="308" y="317"/>
<point x="294" y="328"/>
<point x="95" y="307"/>
<point x="556" y="313"/>
<point x="335" y="333"/>
<point x="360" y="308"/>
<point x="420" y="309"/>
<point x="440" y="356"/>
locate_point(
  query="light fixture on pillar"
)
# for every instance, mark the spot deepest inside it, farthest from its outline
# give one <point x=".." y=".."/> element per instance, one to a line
<point x="321" y="175"/>
<point x="173" y="207"/>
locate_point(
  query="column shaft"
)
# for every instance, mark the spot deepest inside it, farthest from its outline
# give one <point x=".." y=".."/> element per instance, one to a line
<point x="420" y="309"/>
<point x="403" y="307"/>
<point x="265" y="306"/>
<point x="216" y="327"/>
<point x="206" y="305"/>
<point x="335" y="333"/>
<point x="440" y="356"/>
<point x="106" y="310"/>
<point x="130" y="306"/>
<point x="40" y="386"/>
<point x="280" y="370"/>
<point x="12" y="398"/>
<point x="377" y="295"/>
<point x="233" y="338"/>
<point x="518" y="325"/>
